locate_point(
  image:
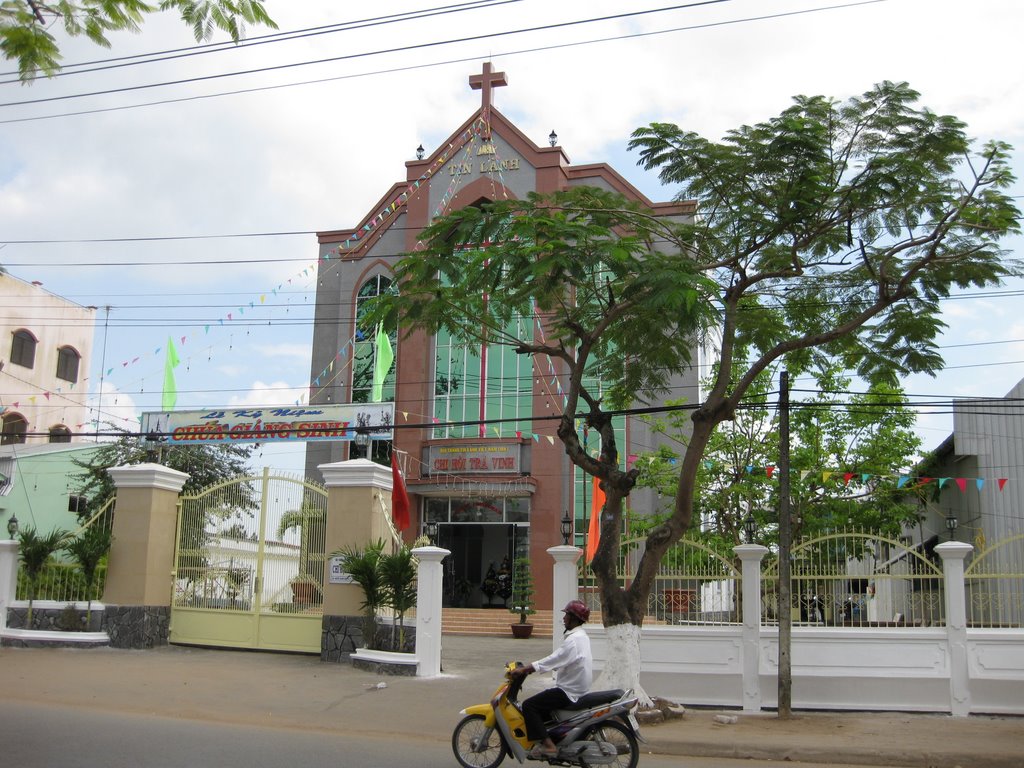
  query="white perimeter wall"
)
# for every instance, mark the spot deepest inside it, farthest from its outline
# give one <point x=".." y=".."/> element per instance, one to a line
<point x="902" y="669"/>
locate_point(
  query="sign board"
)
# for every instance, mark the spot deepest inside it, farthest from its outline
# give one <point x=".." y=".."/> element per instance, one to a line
<point x="251" y="425"/>
<point x="474" y="458"/>
<point x="336" y="574"/>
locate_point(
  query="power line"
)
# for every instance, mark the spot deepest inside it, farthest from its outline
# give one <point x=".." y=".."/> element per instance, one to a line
<point x="221" y="47"/>
<point x="380" y="52"/>
<point x="614" y="38"/>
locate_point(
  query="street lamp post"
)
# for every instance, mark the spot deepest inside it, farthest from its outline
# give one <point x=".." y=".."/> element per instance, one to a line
<point x="750" y="527"/>
<point x="566" y="527"/>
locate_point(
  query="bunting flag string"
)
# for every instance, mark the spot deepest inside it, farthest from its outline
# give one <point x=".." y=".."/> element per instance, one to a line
<point x="902" y="479"/>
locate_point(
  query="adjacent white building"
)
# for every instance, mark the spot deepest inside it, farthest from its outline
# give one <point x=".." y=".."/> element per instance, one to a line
<point x="45" y="349"/>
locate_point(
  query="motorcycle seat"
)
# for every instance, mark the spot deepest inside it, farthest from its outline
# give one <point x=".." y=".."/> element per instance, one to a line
<point x="595" y="699"/>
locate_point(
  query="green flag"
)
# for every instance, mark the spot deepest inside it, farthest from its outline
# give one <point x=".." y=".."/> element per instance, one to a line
<point x="385" y="356"/>
<point x="170" y="396"/>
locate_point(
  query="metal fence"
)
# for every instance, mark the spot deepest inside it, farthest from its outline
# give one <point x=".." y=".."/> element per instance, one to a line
<point x="695" y="584"/>
<point x="839" y="578"/>
<point x="994" y="581"/>
<point x="858" y="578"/>
<point x="62" y="579"/>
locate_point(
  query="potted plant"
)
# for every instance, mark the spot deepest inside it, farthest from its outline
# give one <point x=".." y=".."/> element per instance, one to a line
<point x="522" y="597"/>
<point x="305" y="589"/>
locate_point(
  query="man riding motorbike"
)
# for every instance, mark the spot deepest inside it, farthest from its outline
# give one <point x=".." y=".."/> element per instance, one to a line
<point x="573" y="665"/>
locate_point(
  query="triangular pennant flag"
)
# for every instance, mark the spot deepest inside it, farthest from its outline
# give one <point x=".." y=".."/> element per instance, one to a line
<point x="942" y="481"/>
<point x="769" y="470"/>
<point x="1002" y="482"/>
<point x="902" y="481"/>
<point x="979" y="482"/>
<point x="825" y="476"/>
<point x="846" y="478"/>
<point x="961" y="483"/>
<point x="804" y="473"/>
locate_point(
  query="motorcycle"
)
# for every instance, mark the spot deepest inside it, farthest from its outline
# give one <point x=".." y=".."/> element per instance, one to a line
<point x="599" y="730"/>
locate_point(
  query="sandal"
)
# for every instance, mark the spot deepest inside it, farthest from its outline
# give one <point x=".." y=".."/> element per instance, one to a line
<point x="539" y="752"/>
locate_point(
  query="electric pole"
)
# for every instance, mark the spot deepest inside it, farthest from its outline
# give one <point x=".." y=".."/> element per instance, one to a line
<point x="785" y="573"/>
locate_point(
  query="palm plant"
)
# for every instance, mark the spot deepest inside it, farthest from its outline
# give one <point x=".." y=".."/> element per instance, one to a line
<point x="88" y="550"/>
<point x="363" y="565"/>
<point x="398" y="574"/>
<point x="35" y="552"/>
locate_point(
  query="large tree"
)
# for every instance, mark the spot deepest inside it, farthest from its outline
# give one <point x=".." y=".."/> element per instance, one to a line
<point x="25" y="25"/>
<point x="835" y="228"/>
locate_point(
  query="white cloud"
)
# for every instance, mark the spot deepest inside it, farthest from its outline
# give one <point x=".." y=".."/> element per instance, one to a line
<point x="278" y="393"/>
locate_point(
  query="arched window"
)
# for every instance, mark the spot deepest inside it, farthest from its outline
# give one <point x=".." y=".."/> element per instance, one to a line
<point x="60" y="434"/>
<point x="14" y="429"/>
<point x="67" y="364"/>
<point x="23" y="348"/>
<point x="364" y="359"/>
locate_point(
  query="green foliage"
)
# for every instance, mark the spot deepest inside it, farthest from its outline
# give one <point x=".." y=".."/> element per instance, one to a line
<point x="88" y="550"/>
<point x="388" y="580"/>
<point x="35" y="551"/>
<point x="585" y="242"/>
<point x="840" y="226"/>
<point x="831" y="430"/>
<point x="522" y="589"/>
<point x="205" y="465"/>
<point x="398" y="574"/>
<point x="363" y="565"/>
<point x="25" y="25"/>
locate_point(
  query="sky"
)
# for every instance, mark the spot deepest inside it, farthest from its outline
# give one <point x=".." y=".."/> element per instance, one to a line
<point x="184" y="196"/>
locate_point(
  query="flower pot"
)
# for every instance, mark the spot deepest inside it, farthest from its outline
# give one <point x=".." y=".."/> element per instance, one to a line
<point x="522" y="631"/>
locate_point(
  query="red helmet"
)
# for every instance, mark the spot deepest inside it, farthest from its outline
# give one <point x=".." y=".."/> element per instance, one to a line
<point x="578" y="609"/>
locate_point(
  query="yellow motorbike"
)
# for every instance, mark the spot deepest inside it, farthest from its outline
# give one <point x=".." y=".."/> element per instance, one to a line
<point x="600" y="729"/>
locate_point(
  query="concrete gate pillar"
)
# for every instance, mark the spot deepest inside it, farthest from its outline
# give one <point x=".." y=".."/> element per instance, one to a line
<point x="750" y="556"/>
<point x="565" y="586"/>
<point x="429" y="586"/>
<point x="139" y="586"/>
<point x="8" y="577"/>
<point x="358" y="502"/>
<point x="953" y="554"/>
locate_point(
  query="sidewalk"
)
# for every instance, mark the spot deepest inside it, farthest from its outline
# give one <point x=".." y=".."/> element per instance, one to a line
<point x="285" y="691"/>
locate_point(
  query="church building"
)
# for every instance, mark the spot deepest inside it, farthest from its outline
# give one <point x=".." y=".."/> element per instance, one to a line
<point x="479" y="460"/>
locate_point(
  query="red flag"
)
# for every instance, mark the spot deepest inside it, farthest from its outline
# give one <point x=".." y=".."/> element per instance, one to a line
<point x="399" y="497"/>
<point x="594" y="532"/>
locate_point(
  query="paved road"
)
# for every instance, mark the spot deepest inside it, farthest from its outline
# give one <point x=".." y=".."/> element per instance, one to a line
<point x="46" y="736"/>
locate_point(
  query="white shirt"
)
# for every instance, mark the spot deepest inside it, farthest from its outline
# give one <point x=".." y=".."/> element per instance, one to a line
<point x="573" y="662"/>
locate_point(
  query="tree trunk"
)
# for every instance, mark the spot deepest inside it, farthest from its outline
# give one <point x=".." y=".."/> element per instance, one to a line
<point x="622" y="665"/>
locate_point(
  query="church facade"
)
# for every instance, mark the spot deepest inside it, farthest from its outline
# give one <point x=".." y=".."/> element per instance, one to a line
<point x="480" y="458"/>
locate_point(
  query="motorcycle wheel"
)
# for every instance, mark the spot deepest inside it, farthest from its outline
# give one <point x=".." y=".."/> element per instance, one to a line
<point x="614" y="732"/>
<point x="466" y="738"/>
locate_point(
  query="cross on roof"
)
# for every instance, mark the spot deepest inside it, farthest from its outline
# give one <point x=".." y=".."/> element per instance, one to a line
<point x="485" y="82"/>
